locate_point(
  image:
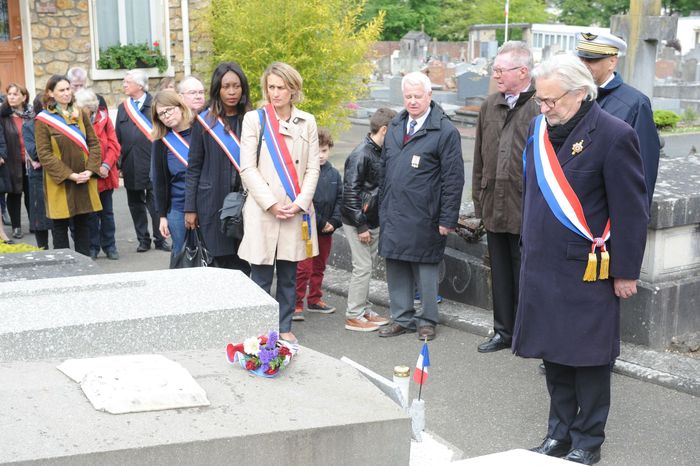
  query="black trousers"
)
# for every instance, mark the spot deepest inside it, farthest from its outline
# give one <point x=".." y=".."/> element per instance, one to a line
<point x="504" y="251"/>
<point x="14" y="202"/>
<point x="80" y="225"/>
<point x="579" y="403"/>
<point x="142" y="204"/>
<point x="262" y="275"/>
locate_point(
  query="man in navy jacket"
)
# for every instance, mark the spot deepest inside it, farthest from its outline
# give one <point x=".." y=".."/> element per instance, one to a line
<point x="599" y="53"/>
<point x="420" y="196"/>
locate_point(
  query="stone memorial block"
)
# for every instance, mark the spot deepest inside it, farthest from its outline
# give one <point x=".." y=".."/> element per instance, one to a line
<point x="395" y="92"/>
<point x="437" y="73"/>
<point x="318" y="411"/>
<point x="689" y="70"/>
<point x="666" y="69"/>
<point x="141" y="312"/>
<point x="44" y="264"/>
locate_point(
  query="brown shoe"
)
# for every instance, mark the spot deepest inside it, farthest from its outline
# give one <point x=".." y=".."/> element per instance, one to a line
<point x="393" y="330"/>
<point x="426" y="332"/>
<point x="360" y="324"/>
<point x="376" y="319"/>
<point x="298" y="315"/>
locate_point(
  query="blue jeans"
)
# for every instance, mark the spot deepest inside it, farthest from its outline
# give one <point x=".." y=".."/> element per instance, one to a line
<point x="102" y="227"/>
<point x="176" y="225"/>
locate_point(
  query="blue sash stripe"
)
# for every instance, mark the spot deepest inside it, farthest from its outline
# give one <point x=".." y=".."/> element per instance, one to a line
<point x="231" y="144"/>
<point x="276" y="156"/>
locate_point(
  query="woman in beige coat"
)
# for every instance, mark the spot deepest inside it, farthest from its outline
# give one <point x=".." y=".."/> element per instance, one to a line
<point x="277" y="225"/>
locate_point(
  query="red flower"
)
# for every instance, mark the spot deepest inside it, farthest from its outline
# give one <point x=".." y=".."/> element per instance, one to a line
<point x="250" y="365"/>
<point x="284" y="351"/>
<point x="262" y="339"/>
<point x="156" y="44"/>
<point x="271" y="371"/>
<point x="230" y="351"/>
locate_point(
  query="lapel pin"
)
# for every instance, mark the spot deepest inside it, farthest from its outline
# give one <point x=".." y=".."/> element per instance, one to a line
<point x="577" y="147"/>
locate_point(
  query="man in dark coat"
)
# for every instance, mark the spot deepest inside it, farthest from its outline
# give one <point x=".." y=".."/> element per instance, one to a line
<point x="599" y="52"/>
<point x="497" y="181"/>
<point x="569" y="311"/>
<point x="135" y="162"/>
<point x="420" y="195"/>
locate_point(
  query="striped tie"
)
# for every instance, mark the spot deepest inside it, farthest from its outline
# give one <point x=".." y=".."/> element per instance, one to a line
<point x="412" y="127"/>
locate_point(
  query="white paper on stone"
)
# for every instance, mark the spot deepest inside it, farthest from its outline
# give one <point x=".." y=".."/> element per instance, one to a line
<point x="135" y="383"/>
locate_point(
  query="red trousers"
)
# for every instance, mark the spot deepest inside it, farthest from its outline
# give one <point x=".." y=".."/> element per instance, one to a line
<point x="310" y="272"/>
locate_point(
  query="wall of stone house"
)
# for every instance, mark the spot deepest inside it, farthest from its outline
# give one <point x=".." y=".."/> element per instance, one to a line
<point x="61" y="39"/>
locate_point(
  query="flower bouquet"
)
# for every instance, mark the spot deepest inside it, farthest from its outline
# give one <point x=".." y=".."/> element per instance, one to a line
<point x="265" y="355"/>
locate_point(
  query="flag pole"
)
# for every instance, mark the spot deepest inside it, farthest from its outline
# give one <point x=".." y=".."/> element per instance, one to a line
<point x="506" y="35"/>
<point x="422" y="372"/>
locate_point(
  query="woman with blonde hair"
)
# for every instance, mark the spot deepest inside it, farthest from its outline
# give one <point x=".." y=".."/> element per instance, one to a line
<point x="278" y="216"/>
<point x="170" y="157"/>
<point x="69" y="152"/>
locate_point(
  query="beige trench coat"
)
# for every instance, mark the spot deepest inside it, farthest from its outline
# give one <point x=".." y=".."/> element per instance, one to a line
<point x="265" y="237"/>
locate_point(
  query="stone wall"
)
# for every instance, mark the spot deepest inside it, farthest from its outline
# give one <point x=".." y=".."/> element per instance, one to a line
<point x="61" y="39"/>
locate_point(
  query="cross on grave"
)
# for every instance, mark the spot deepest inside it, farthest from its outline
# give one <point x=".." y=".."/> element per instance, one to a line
<point x="642" y="29"/>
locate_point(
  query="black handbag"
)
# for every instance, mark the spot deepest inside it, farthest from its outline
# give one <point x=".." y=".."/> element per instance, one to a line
<point x="231" y="215"/>
<point x="194" y="253"/>
<point x="231" y="212"/>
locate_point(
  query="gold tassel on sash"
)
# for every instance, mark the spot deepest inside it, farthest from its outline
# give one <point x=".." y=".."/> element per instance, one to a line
<point x="604" y="265"/>
<point x="306" y="235"/>
<point x="590" y="274"/>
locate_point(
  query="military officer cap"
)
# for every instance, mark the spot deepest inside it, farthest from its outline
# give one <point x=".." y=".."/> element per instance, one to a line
<point x="589" y="45"/>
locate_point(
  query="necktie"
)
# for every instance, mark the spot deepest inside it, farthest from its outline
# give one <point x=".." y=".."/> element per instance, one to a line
<point x="412" y="127"/>
<point x="511" y="100"/>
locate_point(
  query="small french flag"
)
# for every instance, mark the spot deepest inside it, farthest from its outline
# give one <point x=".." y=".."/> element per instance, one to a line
<point x="420" y="374"/>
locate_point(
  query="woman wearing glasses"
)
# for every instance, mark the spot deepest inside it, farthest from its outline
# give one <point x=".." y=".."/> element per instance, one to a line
<point x="170" y="153"/>
<point x="214" y="160"/>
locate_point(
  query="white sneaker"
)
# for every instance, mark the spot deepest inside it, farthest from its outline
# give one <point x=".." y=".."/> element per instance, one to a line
<point x="375" y="318"/>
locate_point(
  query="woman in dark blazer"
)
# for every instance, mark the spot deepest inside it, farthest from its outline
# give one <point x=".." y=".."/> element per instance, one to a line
<point x="211" y="175"/>
<point x="172" y="119"/>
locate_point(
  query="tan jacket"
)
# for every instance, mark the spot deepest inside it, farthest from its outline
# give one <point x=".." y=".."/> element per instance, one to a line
<point x="266" y="237"/>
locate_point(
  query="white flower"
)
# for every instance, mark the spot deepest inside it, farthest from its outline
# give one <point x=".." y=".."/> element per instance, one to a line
<point x="251" y="346"/>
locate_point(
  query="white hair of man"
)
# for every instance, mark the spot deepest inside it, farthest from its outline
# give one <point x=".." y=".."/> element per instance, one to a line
<point x="416" y="78"/>
<point x="520" y="53"/>
<point x="85" y="98"/>
<point x="570" y="71"/>
<point x="76" y="73"/>
<point x="183" y="85"/>
<point x="140" y="78"/>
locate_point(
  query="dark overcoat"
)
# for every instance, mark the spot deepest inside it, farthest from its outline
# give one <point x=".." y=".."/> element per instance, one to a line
<point x="210" y="177"/>
<point x="421" y="188"/>
<point x="633" y="107"/>
<point x="135" y="158"/>
<point x="560" y="317"/>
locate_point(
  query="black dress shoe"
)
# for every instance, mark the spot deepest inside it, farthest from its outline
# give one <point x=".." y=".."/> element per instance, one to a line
<point x="393" y="330"/>
<point x="164" y="247"/>
<point x="143" y="247"/>
<point x="426" y="332"/>
<point x="495" y="343"/>
<point x="552" y="447"/>
<point x="578" y="455"/>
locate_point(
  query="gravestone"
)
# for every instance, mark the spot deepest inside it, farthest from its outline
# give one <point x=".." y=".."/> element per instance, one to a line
<point x="138" y="312"/>
<point x="395" y="91"/>
<point x="313" y="413"/>
<point x="44" y="264"/>
<point x="470" y="84"/>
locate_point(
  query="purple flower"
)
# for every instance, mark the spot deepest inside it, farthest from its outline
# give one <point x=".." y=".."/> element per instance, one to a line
<point x="272" y="339"/>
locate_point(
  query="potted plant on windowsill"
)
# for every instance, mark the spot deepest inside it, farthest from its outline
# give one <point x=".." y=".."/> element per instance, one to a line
<point x="132" y="56"/>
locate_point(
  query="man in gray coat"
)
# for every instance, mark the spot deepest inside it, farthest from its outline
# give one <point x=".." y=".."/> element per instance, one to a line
<point x="497" y="180"/>
<point x="420" y="195"/>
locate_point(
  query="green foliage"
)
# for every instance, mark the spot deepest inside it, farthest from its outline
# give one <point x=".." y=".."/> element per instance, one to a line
<point x="324" y="40"/>
<point x="406" y="15"/>
<point x="665" y="118"/>
<point x="132" y="56"/>
<point x="594" y="13"/>
<point x="689" y="116"/>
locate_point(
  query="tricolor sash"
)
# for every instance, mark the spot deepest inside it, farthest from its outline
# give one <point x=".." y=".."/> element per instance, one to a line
<point x="563" y="201"/>
<point x="72" y="132"/>
<point x="178" y="146"/>
<point x="138" y="118"/>
<point x="284" y="165"/>
<point x="227" y="140"/>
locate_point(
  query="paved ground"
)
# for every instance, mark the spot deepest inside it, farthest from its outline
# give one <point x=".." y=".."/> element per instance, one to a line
<point x="480" y="403"/>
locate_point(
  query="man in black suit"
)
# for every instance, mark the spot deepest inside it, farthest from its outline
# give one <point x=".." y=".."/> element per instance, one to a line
<point x="135" y="159"/>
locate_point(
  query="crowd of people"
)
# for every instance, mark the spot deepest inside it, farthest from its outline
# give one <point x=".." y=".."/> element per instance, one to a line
<point x="560" y="180"/>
